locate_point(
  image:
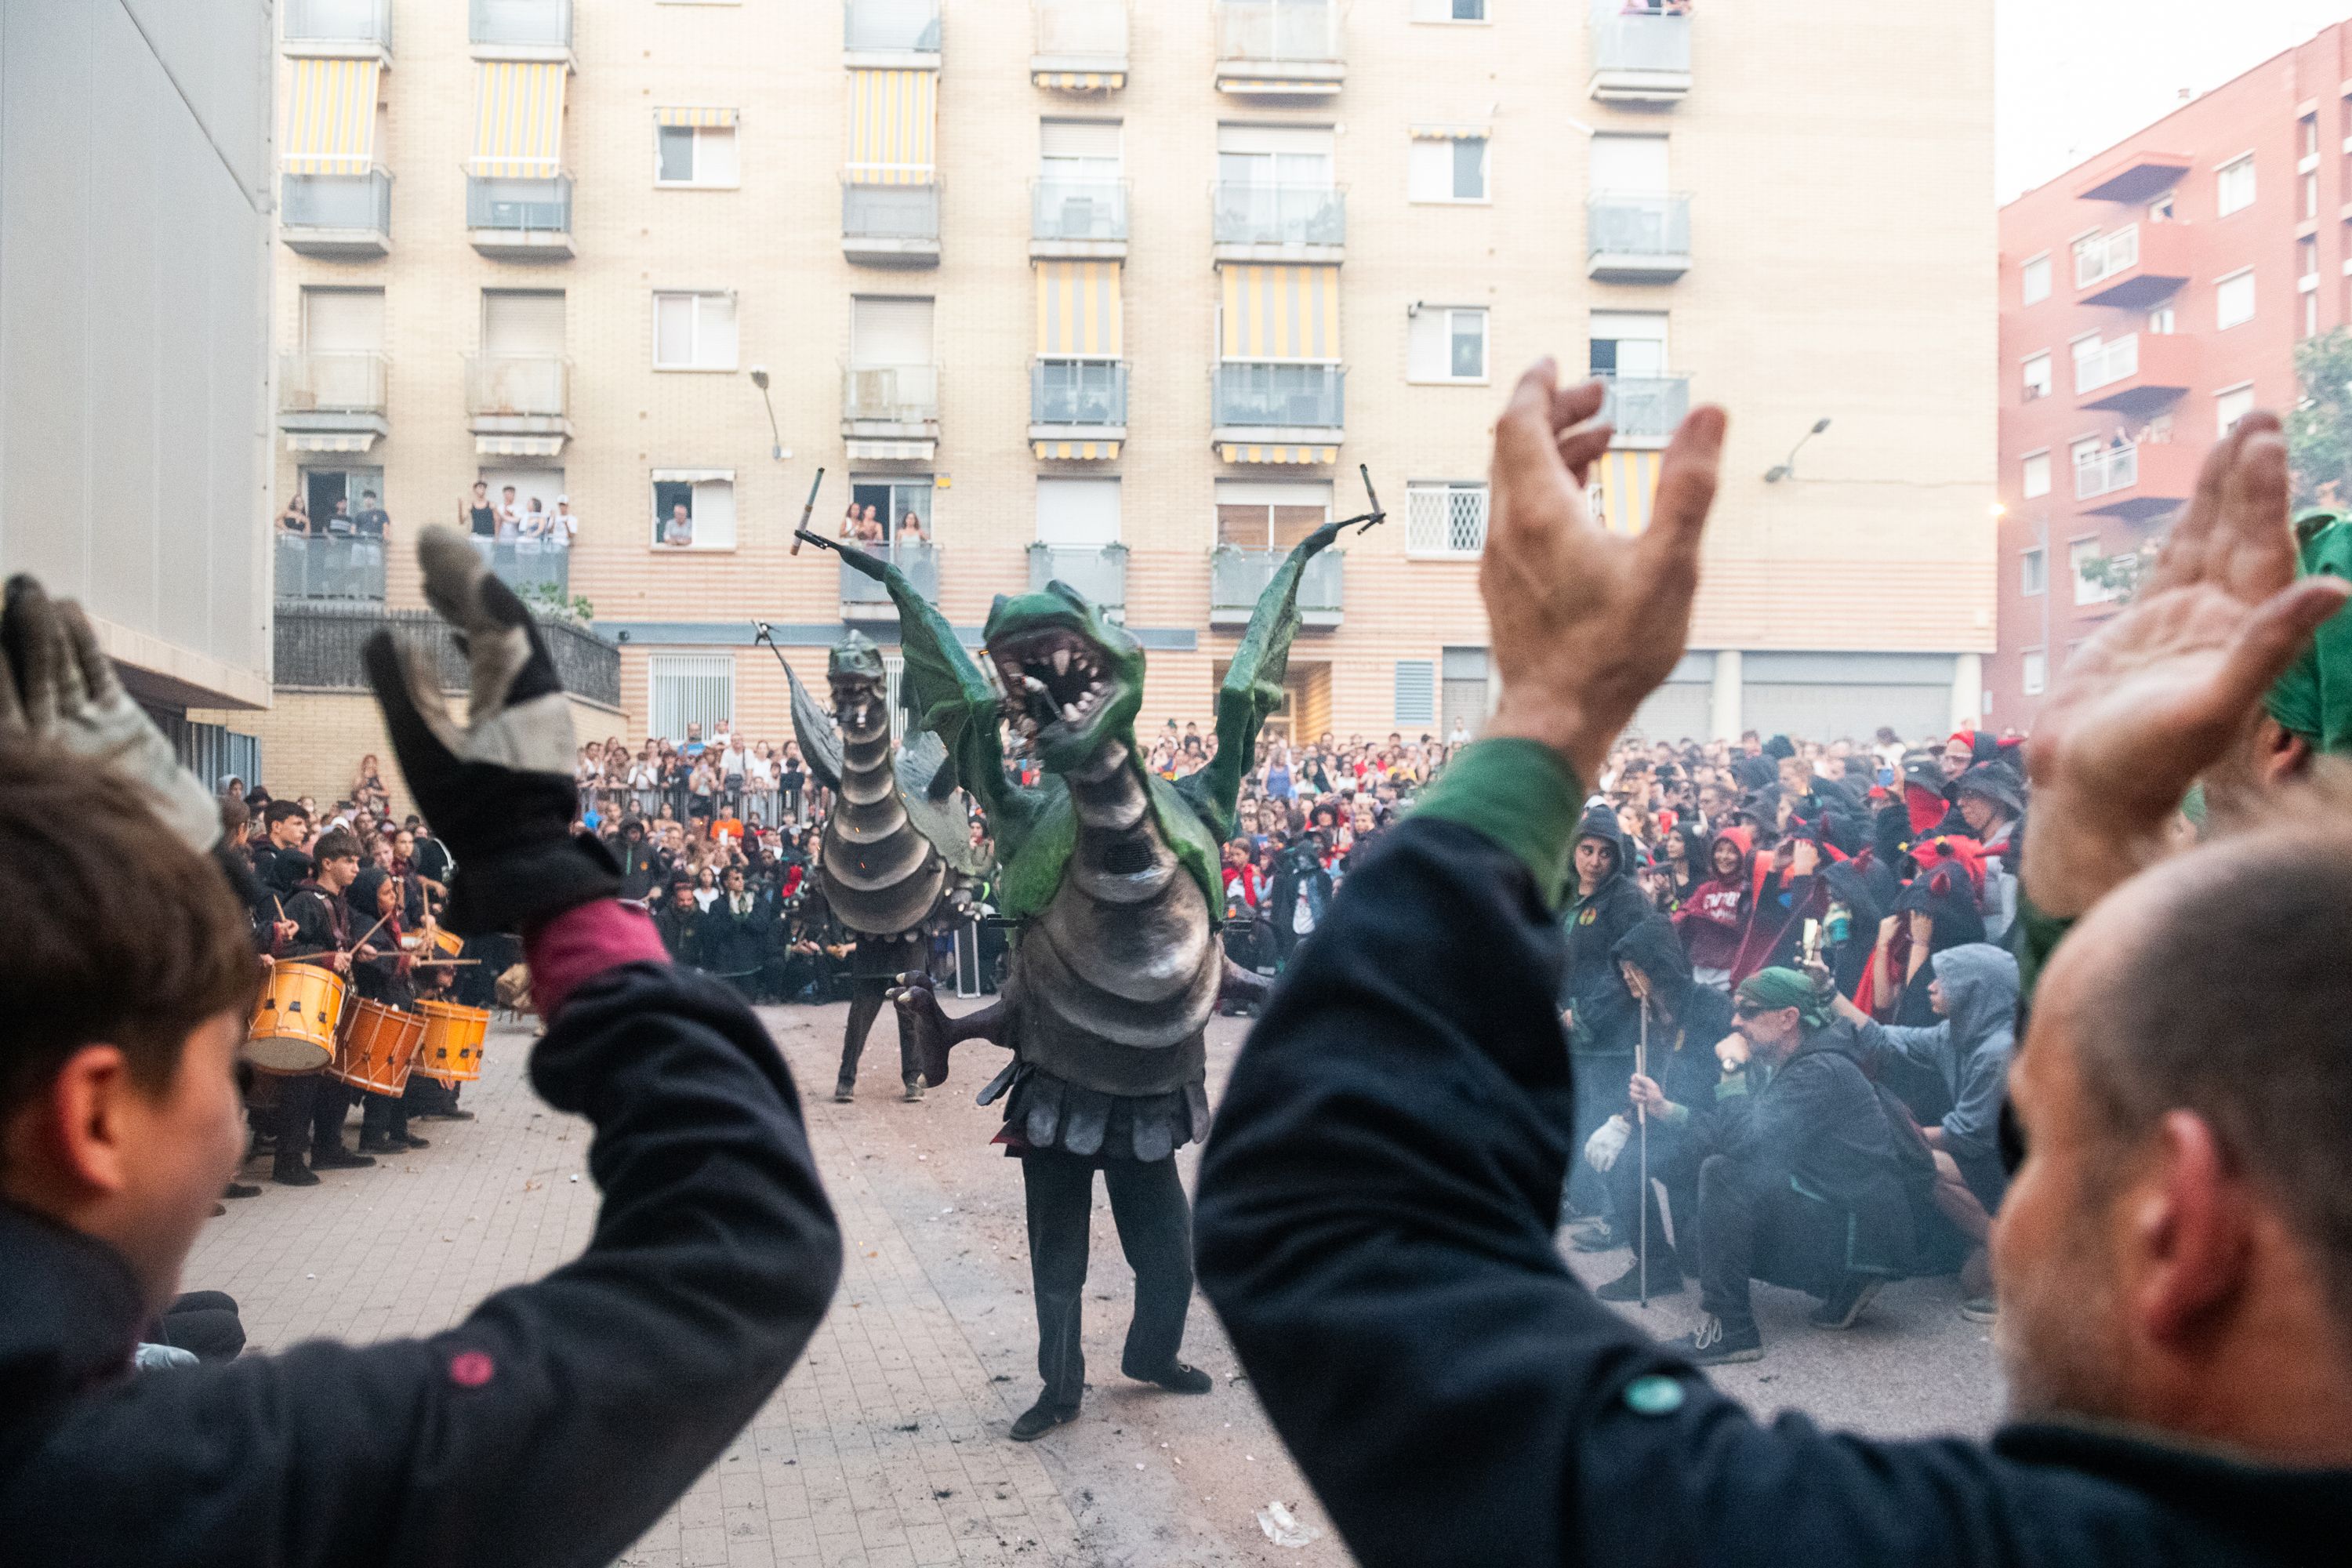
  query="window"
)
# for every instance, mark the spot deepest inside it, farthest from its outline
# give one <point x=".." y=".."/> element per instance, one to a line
<point x="1079" y="151"/>
<point x="1416" y="691"/>
<point x="2233" y="186"/>
<point x="1446" y="518"/>
<point x="2032" y="571"/>
<point x="2160" y="209"/>
<point x="2033" y="279"/>
<point x="694" y="509"/>
<point x="2234" y="300"/>
<point x="1629" y="166"/>
<point x="1077" y="514"/>
<point x="1627" y="344"/>
<point x="694" y="331"/>
<point x="1449" y="10"/>
<point x="894" y="502"/>
<point x="2306" y="136"/>
<point x="1447" y="168"/>
<point x="2160" y="321"/>
<point x="1253" y="514"/>
<point x="2036" y="477"/>
<point x="683" y="689"/>
<point x="2230" y="406"/>
<point x="2033" y="671"/>
<point x="1445" y="343"/>
<point x="1275" y="155"/>
<point x="2310" y="314"/>
<point x="2037" y="377"/>
<point x="695" y="155"/>
<point x="1463" y="697"/>
<point x="2081" y="557"/>
<point x="2311" y="195"/>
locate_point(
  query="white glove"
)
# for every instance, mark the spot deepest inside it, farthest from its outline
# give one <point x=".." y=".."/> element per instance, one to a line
<point x="1608" y="1142"/>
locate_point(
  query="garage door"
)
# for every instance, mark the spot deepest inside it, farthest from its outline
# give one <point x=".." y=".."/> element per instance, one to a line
<point x="1678" y="711"/>
<point x="1845" y="696"/>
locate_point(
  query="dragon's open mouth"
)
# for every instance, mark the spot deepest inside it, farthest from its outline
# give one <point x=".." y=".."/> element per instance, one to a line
<point x="1055" y="681"/>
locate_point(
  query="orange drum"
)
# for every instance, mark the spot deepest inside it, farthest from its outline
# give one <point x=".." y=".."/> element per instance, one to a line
<point x="452" y="1048"/>
<point x="294" y="1027"/>
<point x="378" y="1048"/>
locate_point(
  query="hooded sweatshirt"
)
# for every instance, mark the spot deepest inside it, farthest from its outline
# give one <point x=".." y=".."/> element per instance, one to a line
<point x="1606" y="1017"/>
<point x="1970" y="1047"/>
<point x="1685" y="1018"/>
<point x="1715" y="914"/>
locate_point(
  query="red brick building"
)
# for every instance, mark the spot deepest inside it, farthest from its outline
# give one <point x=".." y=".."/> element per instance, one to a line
<point x="2149" y="297"/>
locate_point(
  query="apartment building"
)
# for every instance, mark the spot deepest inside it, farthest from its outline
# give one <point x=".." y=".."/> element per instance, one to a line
<point x="1127" y="296"/>
<point x="2150" y="297"/>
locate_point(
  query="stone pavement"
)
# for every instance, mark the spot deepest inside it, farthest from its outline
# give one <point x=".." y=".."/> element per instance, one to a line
<point x="886" y="1448"/>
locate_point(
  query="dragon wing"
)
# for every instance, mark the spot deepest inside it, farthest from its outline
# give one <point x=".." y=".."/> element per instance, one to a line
<point x="927" y="790"/>
<point x="820" y="742"/>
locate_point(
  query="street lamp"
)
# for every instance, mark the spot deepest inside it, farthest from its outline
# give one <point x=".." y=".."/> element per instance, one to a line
<point x="1788" y="470"/>
<point x="759" y="380"/>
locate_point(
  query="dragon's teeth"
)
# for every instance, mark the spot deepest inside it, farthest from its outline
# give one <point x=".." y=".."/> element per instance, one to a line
<point x="1061" y="661"/>
<point x="1070" y="711"/>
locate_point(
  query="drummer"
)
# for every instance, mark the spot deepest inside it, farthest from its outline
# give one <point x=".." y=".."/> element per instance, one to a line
<point x="311" y="1106"/>
<point x="374" y="895"/>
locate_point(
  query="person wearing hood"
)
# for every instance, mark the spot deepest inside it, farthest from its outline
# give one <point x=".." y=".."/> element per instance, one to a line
<point x="380" y="974"/>
<point x="1992" y="805"/>
<point x="1712" y="918"/>
<point x="1859" y="893"/>
<point x="1599" y="1012"/>
<point x="1685" y="1022"/>
<point x="1936" y="911"/>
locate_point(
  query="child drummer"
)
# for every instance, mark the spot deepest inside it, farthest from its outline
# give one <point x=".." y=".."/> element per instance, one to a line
<point x="311" y="1106"/>
<point x="381" y="972"/>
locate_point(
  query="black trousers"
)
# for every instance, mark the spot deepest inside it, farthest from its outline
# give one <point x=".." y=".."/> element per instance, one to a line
<point x="865" y="998"/>
<point x="1673" y="1165"/>
<point x="311" y="1111"/>
<point x="1155" y="1231"/>
<point x="1749" y="1229"/>
<point x="203" y="1324"/>
<point x="387" y="1114"/>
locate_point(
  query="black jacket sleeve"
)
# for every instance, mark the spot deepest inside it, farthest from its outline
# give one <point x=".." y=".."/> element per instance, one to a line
<point x="554" y="1424"/>
<point x="1375" y="1223"/>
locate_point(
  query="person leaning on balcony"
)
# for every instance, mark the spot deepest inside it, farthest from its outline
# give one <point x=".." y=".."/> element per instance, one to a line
<point x="678" y="531"/>
<point x="563" y="527"/>
<point x="296" y="518"/>
<point x="372" y="521"/>
<point x="478" y="516"/>
<point x="910" y="530"/>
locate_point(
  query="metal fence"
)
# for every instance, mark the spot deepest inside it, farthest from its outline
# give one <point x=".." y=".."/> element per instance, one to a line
<point x="360" y="202"/>
<point x="1086" y="392"/>
<point x="1237" y="577"/>
<point x="1621" y="224"/>
<point x="919" y="562"/>
<point x="891" y="27"/>
<point x="1253" y="214"/>
<point x="545" y="24"/>
<point x="889" y="212"/>
<point x="317" y="647"/>
<point x="1078" y="209"/>
<point x="1097" y="571"/>
<point x="517" y="205"/>
<point x="1646" y="405"/>
<point x="1445" y="520"/>
<point x="1278" y="395"/>
<point x="330" y="566"/>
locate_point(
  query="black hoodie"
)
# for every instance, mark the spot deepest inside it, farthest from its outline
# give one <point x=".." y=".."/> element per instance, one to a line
<point x="1594" y="993"/>
<point x="1686" y="1020"/>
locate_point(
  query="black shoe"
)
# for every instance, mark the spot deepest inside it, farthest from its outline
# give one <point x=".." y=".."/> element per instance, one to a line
<point x="1713" y="1343"/>
<point x="1845" y="1304"/>
<point x="1665" y="1280"/>
<point x="413" y="1141"/>
<point x="1041" y="1418"/>
<point x="1176" y="1377"/>
<point x="240" y="1189"/>
<point x="338" y="1158"/>
<point x="377" y="1143"/>
<point x="1601" y="1238"/>
<point x="914" y="1090"/>
<point x="292" y="1173"/>
<point x="452" y="1114"/>
<point x="845" y="1091"/>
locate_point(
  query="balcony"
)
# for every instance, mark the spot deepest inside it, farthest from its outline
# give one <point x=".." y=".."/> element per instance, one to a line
<point x="1636" y="238"/>
<point x="330" y="566"/>
<point x="529" y="566"/>
<point x="1260" y="404"/>
<point x="1279" y="49"/>
<point x="337" y="217"/>
<point x="1279" y="222"/>
<point x="520" y="219"/>
<point x="317" y="645"/>
<point x="1078" y="219"/>
<point x="2133" y="267"/>
<point x="2136" y="177"/>
<point x="1644" y="408"/>
<point x="903" y="34"/>
<point x="864" y="599"/>
<point x="1097" y="571"/>
<point x="2137" y="483"/>
<point x="521" y="30"/>
<point x="518" y="405"/>
<point x="332" y="402"/>
<point x="338" y="29"/>
<point x="1083" y="399"/>
<point x="891" y="413"/>
<point x="1081" y="45"/>
<point x="2136" y="374"/>
<point x="890" y="225"/>
<point x="1237" y="577"/>
<point x="1640" y="56"/>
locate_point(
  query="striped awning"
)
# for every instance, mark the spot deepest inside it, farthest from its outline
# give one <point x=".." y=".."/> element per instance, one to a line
<point x="334" y="441"/>
<point x="520" y="125"/>
<point x="519" y="445"/>
<point x="330" y="118"/>
<point x="1250" y="84"/>
<point x="1451" y="132"/>
<point x="1279" y="313"/>
<point x="1078" y="309"/>
<point x="1080" y="81"/>
<point x="1624" y="488"/>
<point x="893" y="452"/>
<point x="1237" y="452"/>
<point x="1074" y="451"/>
<point x="697" y="116"/>
<point x="893" y="133"/>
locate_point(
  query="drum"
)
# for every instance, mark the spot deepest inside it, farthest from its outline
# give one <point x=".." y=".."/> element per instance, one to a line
<point x="452" y="1047"/>
<point x="294" y="1026"/>
<point x="378" y="1048"/>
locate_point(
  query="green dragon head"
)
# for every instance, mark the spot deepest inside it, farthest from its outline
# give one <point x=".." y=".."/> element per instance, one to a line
<point x="854" y="670"/>
<point x="1073" y="678"/>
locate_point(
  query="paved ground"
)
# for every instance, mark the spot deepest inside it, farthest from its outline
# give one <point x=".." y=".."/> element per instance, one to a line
<point x="886" y="1449"/>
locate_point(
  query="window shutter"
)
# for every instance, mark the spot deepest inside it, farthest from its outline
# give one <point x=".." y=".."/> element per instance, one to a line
<point x="1078" y="139"/>
<point x="1416" y="691"/>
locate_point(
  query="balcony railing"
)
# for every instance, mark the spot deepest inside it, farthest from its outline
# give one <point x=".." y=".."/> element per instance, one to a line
<point x="1081" y="29"/>
<point x="527" y="563"/>
<point x="890" y="213"/>
<point x="919" y="562"/>
<point x="2107" y="364"/>
<point x="330" y="566"/>
<point x="519" y="206"/>
<point x="357" y="204"/>
<point x="320" y="646"/>
<point x="890" y="393"/>
<point x="515" y="387"/>
<point x="1640" y="55"/>
<point x="891" y="27"/>
<point x="2103" y="255"/>
<point x="1090" y="393"/>
<point x="322" y="383"/>
<point x="1645" y="408"/>
<point x="1097" y="571"/>
<point x="1278" y="32"/>
<point x="2109" y="469"/>
<point x="1280" y="396"/>
<point x="1237" y="577"/>
<point x="1445" y="520"/>
<point x="534" y="24"/>
<point x="1078" y="209"/>
<point x="1622" y="223"/>
<point x="1250" y="214"/>
<point x="339" y="22"/>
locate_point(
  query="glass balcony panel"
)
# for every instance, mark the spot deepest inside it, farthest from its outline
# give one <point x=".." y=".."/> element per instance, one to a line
<point x="1097" y="571"/>
<point x="1253" y="214"/>
<point x="890" y="212"/>
<point x="1075" y="28"/>
<point x="1079" y="392"/>
<point x="339" y="22"/>
<point x="544" y="24"/>
<point x="330" y="566"/>
<point x="520" y="206"/>
<point x="892" y="27"/>
<point x="1274" y="31"/>
<point x="1645" y="408"/>
<point x="526" y="565"/>
<point x="1237" y="577"/>
<point x="2110" y="469"/>
<point x="1276" y="395"/>
<point x="891" y="393"/>
<point x="920" y="562"/>
<point x="1620" y="224"/>
<point x="311" y="383"/>
<point x="356" y="201"/>
<point x="1078" y="209"/>
<point x="517" y="385"/>
<point x="1654" y="39"/>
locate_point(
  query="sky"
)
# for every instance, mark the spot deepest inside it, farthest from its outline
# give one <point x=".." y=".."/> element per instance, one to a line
<point x="2073" y="77"/>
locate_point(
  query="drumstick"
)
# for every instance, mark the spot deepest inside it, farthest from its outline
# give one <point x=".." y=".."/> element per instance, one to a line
<point x="808" y="510"/>
<point x="369" y="932"/>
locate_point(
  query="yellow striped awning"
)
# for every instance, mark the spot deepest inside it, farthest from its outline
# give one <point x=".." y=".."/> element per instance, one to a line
<point x="697" y="116"/>
<point x="1075" y="451"/>
<point x="1078" y="309"/>
<point x="1625" y="489"/>
<point x="1279" y="312"/>
<point x="893" y="120"/>
<point x="1235" y="452"/>
<point x="330" y="118"/>
<point x="1451" y="132"/>
<point x="1250" y="84"/>
<point x="519" y="129"/>
<point x="1080" y="81"/>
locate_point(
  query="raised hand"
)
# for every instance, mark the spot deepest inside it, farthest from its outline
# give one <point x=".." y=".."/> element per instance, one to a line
<point x="2162" y="691"/>
<point x="1585" y="623"/>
